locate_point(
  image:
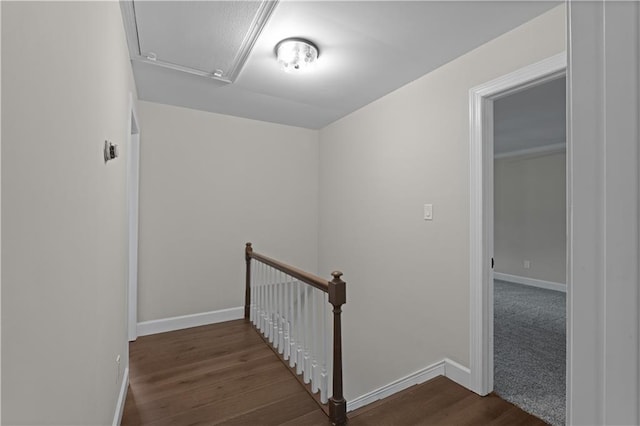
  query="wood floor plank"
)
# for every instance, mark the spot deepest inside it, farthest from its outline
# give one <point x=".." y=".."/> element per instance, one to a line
<point x="225" y="374"/>
<point x="516" y="417"/>
<point x="177" y="402"/>
<point x="221" y="410"/>
<point x="314" y="418"/>
<point x="414" y="406"/>
<point x="285" y="410"/>
<point x="441" y="402"/>
<point x="471" y="410"/>
<point x="168" y="373"/>
<point x="209" y="374"/>
<point x="190" y="382"/>
<point x="147" y="359"/>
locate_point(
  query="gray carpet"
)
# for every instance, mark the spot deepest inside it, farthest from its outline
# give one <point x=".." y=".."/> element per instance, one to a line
<point x="530" y="349"/>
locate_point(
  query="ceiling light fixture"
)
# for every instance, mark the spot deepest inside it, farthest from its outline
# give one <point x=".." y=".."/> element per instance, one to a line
<point x="295" y="54"/>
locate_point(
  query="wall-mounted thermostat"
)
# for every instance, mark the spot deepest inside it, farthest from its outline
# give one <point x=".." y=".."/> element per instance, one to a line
<point x="110" y="151"/>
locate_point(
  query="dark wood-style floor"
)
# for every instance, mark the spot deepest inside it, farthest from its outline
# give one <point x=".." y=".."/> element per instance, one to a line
<point x="225" y="374"/>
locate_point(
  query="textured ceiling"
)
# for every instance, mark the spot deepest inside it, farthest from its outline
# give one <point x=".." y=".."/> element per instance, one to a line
<point x="367" y="49"/>
<point x="533" y="118"/>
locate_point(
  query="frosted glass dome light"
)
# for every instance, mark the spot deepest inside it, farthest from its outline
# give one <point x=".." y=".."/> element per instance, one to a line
<point x="296" y="54"/>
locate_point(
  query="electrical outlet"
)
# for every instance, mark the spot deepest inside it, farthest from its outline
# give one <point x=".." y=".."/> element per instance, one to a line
<point x="527" y="264"/>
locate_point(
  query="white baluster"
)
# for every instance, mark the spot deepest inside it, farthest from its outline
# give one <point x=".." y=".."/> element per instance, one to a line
<point x="265" y="309"/>
<point x="306" y="377"/>
<point x="265" y="300"/>
<point x="292" y="326"/>
<point x="257" y="316"/>
<point x="272" y="300"/>
<point x="300" y="324"/>
<point x="262" y="296"/>
<point x="256" y="310"/>
<point x="276" y="315"/>
<point x="324" y="375"/>
<point x="255" y="279"/>
<point x="251" y="288"/>
<point x="283" y="314"/>
<point x="285" y="317"/>
<point x="314" y="340"/>
<point x="270" y="306"/>
<point x="256" y="293"/>
<point x="280" y="319"/>
<point x="274" y="310"/>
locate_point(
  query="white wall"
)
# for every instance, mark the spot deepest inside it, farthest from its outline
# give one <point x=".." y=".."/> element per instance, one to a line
<point x="407" y="279"/>
<point x="530" y="216"/>
<point x="208" y="184"/>
<point x="66" y="80"/>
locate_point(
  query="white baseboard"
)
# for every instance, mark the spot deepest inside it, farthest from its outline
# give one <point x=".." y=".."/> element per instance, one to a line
<point x="187" y="321"/>
<point x="122" y="397"/>
<point x="549" y="285"/>
<point x="458" y="373"/>
<point x="448" y="368"/>
<point x="420" y="376"/>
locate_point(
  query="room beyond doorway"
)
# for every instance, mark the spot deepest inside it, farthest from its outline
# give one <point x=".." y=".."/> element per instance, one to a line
<point x="530" y="249"/>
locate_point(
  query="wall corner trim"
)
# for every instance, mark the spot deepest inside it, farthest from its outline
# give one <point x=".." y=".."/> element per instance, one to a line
<point x="122" y="397"/>
<point x="187" y="321"/>
<point x="533" y="282"/>
<point x="446" y="367"/>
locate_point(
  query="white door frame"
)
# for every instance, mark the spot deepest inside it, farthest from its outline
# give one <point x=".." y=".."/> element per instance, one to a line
<point x="481" y="100"/>
<point x="133" y="180"/>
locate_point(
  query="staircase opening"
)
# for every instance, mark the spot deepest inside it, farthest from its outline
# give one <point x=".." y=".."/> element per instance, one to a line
<point x="290" y="309"/>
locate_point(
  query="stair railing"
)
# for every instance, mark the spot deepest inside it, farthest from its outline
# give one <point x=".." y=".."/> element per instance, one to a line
<point x="288" y="307"/>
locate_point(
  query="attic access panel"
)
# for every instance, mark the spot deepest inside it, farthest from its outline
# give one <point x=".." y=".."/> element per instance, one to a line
<point x="207" y="38"/>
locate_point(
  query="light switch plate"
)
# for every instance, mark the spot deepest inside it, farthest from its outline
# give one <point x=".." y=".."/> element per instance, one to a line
<point x="428" y="212"/>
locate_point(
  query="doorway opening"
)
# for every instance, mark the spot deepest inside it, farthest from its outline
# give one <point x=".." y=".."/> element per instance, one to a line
<point x="482" y="255"/>
<point x="530" y="217"/>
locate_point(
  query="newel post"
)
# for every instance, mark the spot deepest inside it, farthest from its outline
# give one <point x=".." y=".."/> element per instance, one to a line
<point x="337" y="298"/>
<point x="247" y="292"/>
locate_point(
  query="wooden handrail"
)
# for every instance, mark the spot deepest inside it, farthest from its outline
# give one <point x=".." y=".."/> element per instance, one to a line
<point x="336" y="290"/>
<point x="312" y="280"/>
